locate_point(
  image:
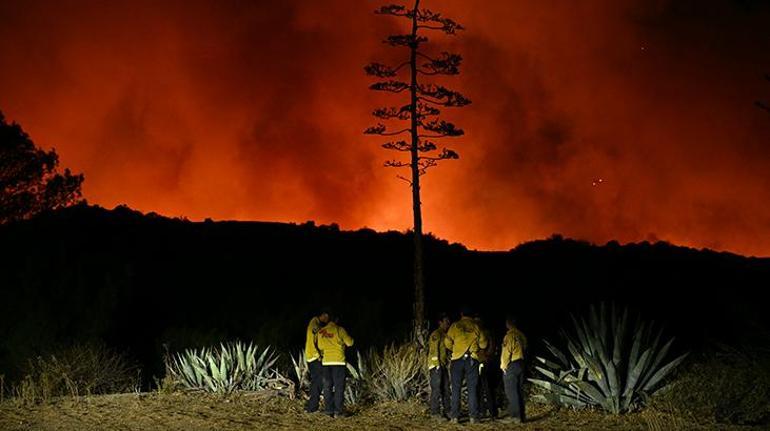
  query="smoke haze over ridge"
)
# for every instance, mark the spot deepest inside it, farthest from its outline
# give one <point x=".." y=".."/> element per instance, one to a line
<point x="254" y="110"/>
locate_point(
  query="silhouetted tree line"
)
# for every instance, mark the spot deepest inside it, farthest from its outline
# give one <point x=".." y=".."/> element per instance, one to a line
<point x="29" y="178"/>
<point x="138" y="282"/>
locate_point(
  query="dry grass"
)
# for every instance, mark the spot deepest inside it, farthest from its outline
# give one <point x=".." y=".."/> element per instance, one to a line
<point x="262" y="411"/>
<point x="729" y="387"/>
<point x="79" y="370"/>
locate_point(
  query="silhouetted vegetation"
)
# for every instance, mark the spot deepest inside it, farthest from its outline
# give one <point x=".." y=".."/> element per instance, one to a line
<point x="76" y="371"/>
<point x="137" y="282"/>
<point x="29" y="179"/>
<point x="421" y="112"/>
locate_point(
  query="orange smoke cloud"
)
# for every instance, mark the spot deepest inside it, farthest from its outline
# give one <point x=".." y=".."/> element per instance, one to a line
<point x="254" y="110"/>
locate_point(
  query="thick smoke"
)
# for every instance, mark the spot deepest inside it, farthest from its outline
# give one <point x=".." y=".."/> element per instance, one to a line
<point x="626" y="120"/>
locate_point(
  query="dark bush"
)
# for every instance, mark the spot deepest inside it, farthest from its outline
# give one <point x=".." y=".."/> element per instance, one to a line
<point x="729" y="386"/>
<point x="76" y="371"/>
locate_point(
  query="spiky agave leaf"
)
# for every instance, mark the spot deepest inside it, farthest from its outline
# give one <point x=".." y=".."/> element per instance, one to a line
<point x="230" y="367"/>
<point x="601" y="369"/>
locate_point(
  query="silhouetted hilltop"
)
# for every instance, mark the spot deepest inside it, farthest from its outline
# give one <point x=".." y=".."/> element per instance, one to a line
<point x="140" y="281"/>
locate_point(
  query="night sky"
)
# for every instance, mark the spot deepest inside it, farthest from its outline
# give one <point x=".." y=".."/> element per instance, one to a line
<point x="616" y="119"/>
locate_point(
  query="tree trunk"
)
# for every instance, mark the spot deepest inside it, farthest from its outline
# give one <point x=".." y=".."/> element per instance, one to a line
<point x="420" y="326"/>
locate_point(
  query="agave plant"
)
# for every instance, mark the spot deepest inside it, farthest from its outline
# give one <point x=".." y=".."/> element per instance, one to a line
<point x="232" y="366"/>
<point x="356" y="390"/>
<point x="606" y="365"/>
<point x="301" y="372"/>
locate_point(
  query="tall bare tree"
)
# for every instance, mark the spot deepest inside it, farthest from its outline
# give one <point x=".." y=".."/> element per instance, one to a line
<point x="420" y="113"/>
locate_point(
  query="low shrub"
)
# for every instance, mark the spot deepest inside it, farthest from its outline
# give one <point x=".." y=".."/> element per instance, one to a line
<point x="398" y="373"/>
<point x="729" y="386"/>
<point x="75" y="371"/>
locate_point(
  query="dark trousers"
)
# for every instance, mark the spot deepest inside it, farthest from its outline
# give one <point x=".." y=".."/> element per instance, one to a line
<point x="334" y="388"/>
<point x="513" y="381"/>
<point x="465" y="368"/>
<point x="487" y="393"/>
<point x="439" y="390"/>
<point x="316" y="383"/>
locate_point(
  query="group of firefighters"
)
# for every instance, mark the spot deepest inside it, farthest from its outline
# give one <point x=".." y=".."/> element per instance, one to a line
<point x="459" y="352"/>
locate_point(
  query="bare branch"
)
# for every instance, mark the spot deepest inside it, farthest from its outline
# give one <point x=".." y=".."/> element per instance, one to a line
<point x="390" y="86"/>
<point x="443" y="128"/>
<point x="390" y="113"/>
<point x="401" y="177"/>
<point x="446" y="154"/>
<point x="424" y="110"/>
<point x="380" y="129"/>
<point x="427" y="57"/>
<point x="424" y="165"/>
<point x="447" y="64"/>
<point x="397" y="146"/>
<point x="396" y="164"/>
<point x="435" y="21"/>
<point x="395" y="10"/>
<point x="383" y="71"/>
<point x="405" y="40"/>
<point x="443" y="96"/>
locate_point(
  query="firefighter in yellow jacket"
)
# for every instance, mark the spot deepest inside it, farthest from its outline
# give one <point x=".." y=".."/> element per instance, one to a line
<point x="512" y="364"/>
<point x="465" y="339"/>
<point x="438" y="362"/>
<point x="488" y="374"/>
<point x="313" y="358"/>
<point x="332" y="341"/>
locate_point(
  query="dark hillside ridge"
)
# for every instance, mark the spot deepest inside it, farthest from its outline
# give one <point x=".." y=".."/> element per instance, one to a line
<point x="139" y="281"/>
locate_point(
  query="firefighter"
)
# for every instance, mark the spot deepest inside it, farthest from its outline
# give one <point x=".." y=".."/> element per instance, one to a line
<point x="464" y="339"/>
<point x="313" y="358"/>
<point x="332" y="341"/>
<point x="438" y="361"/>
<point x="488" y="374"/>
<point x="512" y="364"/>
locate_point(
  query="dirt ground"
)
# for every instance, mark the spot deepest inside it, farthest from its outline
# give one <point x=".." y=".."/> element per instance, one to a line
<point x="191" y="412"/>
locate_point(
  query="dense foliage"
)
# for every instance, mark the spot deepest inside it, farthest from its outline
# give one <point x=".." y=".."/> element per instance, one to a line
<point x="29" y="179"/>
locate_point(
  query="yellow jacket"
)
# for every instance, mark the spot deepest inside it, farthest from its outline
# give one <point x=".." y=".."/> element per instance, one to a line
<point x="465" y="336"/>
<point x="514" y="345"/>
<point x="437" y="352"/>
<point x="332" y="340"/>
<point x="311" y="347"/>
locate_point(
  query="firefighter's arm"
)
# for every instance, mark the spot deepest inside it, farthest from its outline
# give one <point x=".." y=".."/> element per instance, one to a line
<point x="433" y="346"/>
<point x="449" y="341"/>
<point x="505" y="353"/>
<point x="346" y="338"/>
<point x="482" y="340"/>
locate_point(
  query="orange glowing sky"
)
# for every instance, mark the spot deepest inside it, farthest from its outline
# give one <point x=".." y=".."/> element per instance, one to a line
<point x="254" y="110"/>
